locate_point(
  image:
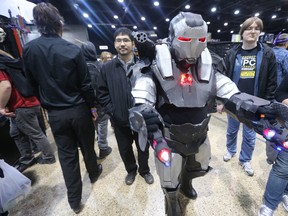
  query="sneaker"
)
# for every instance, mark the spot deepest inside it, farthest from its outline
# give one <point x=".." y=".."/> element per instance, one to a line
<point x="247" y="168"/>
<point x="105" y="152"/>
<point x="148" y="178"/>
<point x="21" y="166"/>
<point x="227" y="156"/>
<point x="265" y="211"/>
<point x="40" y="160"/>
<point x="285" y="201"/>
<point x="35" y="151"/>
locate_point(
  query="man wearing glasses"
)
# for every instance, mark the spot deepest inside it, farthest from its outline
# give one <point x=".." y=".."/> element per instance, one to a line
<point x="252" y="66"/>
<point x="114" y="94"/>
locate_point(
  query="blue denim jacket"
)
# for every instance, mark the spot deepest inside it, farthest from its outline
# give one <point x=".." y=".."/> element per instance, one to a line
<point x="282" y="63"/>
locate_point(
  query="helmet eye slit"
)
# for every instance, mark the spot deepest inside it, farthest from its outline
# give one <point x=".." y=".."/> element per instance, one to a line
<point x="184" y="39"/>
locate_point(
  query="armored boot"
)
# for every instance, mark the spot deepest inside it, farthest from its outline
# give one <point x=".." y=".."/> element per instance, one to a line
<point x="186" y="187"/>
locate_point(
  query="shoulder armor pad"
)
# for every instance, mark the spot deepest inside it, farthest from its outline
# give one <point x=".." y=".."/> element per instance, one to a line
<point x="205" y="66"/>
<point x="163" y="60"/>
<point x="144" y="90"/>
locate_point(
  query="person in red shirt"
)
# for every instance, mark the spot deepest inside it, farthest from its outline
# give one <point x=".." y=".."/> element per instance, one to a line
<point x="24" y="125"/>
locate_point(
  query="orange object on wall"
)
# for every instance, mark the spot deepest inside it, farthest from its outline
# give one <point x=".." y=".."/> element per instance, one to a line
<point x="18" y="42"/>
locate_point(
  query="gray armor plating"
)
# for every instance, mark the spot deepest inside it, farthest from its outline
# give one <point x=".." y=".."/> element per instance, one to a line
<point x="225" y="87"/>
<point x="163" y="61"/>
<point x="195" y="95"/>
<point x="144" y="91"/>
<point x="169" y="175"/>
<point x="180" y="138"/>
<point x="189" y="26"/>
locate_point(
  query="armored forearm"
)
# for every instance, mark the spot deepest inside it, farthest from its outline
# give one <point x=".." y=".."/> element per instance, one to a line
<point x="244" y="107"/>
<point x="142" y="120"/>
<point x="269" y="119"/>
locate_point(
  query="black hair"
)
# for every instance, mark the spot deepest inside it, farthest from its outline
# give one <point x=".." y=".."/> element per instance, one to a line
<point x="123" y="31"/>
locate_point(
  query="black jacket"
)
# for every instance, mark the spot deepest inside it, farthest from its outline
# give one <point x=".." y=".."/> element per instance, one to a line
<point x="57" y="68"/>
<point x="93" y="64"/>
<point x="267" y="80"/>
<point x="114" y="91"/>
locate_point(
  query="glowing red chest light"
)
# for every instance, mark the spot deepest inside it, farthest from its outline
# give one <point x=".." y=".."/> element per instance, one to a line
<point x="186" y="79"/>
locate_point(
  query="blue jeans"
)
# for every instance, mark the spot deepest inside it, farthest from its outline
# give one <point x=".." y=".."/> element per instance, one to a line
<point x="277" y="183"/>
<point x="102" y="131"/>
<point x="248" y="141"/>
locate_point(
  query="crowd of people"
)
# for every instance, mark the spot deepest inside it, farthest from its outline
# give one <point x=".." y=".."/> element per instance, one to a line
<point x="80" y="94"/>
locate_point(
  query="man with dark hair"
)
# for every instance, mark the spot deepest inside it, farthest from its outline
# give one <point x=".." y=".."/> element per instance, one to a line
<point x="57" y="69"/>
<point x="114" y="94"/>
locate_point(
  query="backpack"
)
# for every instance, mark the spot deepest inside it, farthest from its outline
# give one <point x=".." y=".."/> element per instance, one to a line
<point x="14" y="69"/>
<point x="94" y="70"/>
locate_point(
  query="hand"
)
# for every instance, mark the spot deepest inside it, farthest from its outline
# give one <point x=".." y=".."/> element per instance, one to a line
<point x="275" y="111"/>
<point x="220" y="108"/>
<point x="152" y="121"/>
<point x="5" y="112"/>
<point x="94" y="114"/>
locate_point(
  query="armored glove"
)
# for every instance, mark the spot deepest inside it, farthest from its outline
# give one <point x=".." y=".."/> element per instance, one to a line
<point x="275" y="111"/>
<point x="152" y="121"/>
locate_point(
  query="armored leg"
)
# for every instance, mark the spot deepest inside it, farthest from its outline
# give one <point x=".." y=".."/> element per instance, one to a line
<point x="194" y="166"/>
<point x="172" y="206"/>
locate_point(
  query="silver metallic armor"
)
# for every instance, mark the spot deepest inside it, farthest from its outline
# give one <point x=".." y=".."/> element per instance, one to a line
<point x="187" y="87"/>
<point x="177" y="80"/>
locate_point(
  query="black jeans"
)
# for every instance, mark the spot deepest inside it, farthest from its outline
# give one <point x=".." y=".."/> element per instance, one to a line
<point x="125" y="137"/>
<point x="73" y="127"/>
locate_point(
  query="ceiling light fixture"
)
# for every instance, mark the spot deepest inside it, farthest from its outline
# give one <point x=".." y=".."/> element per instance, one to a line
<point x="274" y="16"/>
<point x="89" y="25"/>
<point x="116" y="17"/>
<point x="155" y="28"/>
<point x="143" y="18"/>
<point x="213" y="9"/>
<point x="113" y="26"/>
<point x="134" y="27"/>
<point x="167" y="19"/>
<point x="232" y="32"/>
<point x="85" y="15"/>
<point x="219" y="30"/>
<point x="226" y="24"/>
<point x="156" y="3"/>
<point x="208" y="23"/>
<point x="121" y="1"/>
<point x="76" y="6"/>
<point x="236" y="12"/>
<point x="257" y="14"/>
<point x="187" y="7"/>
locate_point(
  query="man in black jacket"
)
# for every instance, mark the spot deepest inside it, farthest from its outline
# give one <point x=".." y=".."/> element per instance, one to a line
<point x="58" y="70"/>
<point x="101" y="123"/>
<point x="114" y="94"/>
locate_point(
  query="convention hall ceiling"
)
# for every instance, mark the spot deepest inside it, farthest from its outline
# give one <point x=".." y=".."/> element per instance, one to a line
<point x="103" y="15"/>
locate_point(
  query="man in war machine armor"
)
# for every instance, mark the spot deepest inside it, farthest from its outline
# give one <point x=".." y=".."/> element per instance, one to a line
<point x="174" y="84"/>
